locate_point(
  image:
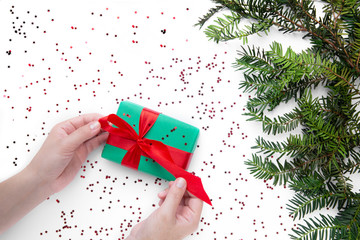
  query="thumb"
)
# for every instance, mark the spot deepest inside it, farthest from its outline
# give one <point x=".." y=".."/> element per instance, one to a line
<point x="174" y="196"/>
<point x="82" y="134"/>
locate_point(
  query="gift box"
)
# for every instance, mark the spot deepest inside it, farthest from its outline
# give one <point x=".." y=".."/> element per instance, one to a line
<point x="172" y="132"/>
<point x="148" y="141"/>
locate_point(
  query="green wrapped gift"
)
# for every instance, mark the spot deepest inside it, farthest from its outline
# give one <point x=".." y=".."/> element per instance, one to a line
<point x="180" y="139"/>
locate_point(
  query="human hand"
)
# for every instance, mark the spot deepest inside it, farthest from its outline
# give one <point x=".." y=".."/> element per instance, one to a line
<point x="178" y="215"/>
<point x="65" y="150"/>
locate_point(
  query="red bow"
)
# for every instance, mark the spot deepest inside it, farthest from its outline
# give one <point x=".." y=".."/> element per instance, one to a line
<point x="158" y="151"/>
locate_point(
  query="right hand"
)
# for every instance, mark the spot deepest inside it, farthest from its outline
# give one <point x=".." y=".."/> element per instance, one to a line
<point x="178" y="215"/>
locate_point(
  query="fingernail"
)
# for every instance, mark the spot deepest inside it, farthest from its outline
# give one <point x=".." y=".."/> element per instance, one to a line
<point x="94" y="125"/>
<point x="180" y="182"/>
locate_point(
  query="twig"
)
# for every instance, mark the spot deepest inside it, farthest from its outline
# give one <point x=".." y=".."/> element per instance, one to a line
<point x="336" y="18"/>
<point x="314" y="19"/>
<point x="302" y="28"/>
<point x="352" y="86"/>
<point x="327" y="110"/>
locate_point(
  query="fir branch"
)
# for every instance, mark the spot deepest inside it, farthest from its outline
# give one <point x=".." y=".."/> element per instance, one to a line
<point x="353" y="164"/>
<point x="270" y="148"/>
<point x="306" y="84"/>
<point x="209" y="15"/>
<point x="350" y="218"/>
<point x="324" y="228"/>
<point x="282" y="124"/>
<point x="265" y="169"/>
<point x="253" y="60"/>
<point x="319" y="160"/>
<point x="301" y="205"/>
<point x="314" y="18"/>
<point x="302" y="28"/>
<point x="227" y="29"/>
<point x="309" y="185"/>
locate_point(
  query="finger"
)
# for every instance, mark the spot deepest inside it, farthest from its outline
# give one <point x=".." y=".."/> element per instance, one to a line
<point x="96" y="141"/>
<point x="72" y="124"/>
<point x="82" y="134"/>
<point x="161" y="202"/>
<point x="74" y="165"/>
<point x="174" y="196"/>
<point x="163" y="194"/>
<point x="70" y="171"/>
<point x="195" y="205"/>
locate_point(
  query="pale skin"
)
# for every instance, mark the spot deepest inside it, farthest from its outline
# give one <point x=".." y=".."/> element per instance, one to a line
<point x="58" y="162"/>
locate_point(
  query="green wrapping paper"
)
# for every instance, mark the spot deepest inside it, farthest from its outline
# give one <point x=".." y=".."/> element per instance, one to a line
<point x="170" y="131"/>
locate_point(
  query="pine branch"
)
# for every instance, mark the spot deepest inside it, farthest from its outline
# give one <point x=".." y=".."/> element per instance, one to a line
<point x="253" y="60"/>
<point x="270" y="148"/>
<point x="265" y="169"/>
<point x="323" y="228"/>
<point x="312" y="17"/>
<point x="209" y="15"/>
<point x="318" y="161"/>
<point x="301" y="205"/>
<point x="352" y="165"/>
<point x="350" y="219"/>
<point x="310" y="185"/>
<point x="227" y="29"/>
<point x="282" y="124"/>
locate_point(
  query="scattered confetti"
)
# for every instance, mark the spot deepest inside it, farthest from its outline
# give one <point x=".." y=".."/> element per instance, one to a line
<point x="60" y="62"/>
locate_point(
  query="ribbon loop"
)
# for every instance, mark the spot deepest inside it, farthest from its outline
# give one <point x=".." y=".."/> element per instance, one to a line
<point x="124" y="130"/>
<point x="147" y="119"/>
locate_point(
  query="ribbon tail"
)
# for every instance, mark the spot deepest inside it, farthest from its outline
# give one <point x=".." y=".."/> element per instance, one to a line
<point x="132" y="157"/>
<point x="159" y="152"/>
<point x="194" y="183"/>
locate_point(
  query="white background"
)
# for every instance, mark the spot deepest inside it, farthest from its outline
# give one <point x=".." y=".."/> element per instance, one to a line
<point x="243" y="207"/>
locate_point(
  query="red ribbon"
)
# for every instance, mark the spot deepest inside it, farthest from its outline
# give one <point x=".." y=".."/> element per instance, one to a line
<point x="156" y="150"/>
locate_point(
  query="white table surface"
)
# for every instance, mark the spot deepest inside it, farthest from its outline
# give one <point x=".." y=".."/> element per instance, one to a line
<point x="51" y="76"/>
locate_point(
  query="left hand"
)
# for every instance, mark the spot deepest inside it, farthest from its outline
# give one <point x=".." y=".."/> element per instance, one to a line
<point x="65" y="150"/>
